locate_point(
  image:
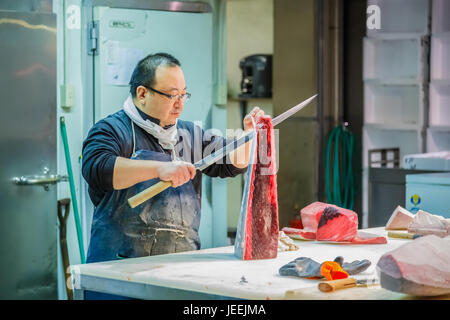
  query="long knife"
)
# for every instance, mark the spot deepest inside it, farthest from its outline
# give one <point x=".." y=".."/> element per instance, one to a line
<point x="213" y="157"/>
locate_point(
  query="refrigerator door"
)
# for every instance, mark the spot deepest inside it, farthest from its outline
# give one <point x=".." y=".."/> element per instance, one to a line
<point x="28" y="200"/>
<point x="125" y="36"/>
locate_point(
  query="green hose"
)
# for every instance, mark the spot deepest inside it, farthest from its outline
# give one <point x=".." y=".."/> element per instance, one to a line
<point x="342" y="196"/>
<point x="72" y="189"/>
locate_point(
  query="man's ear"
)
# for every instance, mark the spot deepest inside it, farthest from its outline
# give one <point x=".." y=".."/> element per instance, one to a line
<point x="141" y="91"/>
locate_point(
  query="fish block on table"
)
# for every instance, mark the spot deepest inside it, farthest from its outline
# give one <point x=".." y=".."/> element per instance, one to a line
<point x="400" y="219"/>
<point x="337" y="225"/>
<point x="420" y="267"/>
<point x="328" y="222"/>
<point x="257" y="232"/>
<point x="425" y="223"/>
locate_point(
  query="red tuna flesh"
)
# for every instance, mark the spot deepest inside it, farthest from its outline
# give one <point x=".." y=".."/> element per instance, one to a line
<point x="328" y="222"/>
<point x="337" y="225"/>
<point x="311" y="214"/>
<point x="260" y="234"/>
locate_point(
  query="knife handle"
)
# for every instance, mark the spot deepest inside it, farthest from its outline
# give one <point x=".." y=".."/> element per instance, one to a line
<point x="333" y="285"/>
<point x="401" y="235"/>
<point x="148" y="193"/>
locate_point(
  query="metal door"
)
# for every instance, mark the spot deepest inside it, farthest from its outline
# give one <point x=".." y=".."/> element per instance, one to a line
<point x="28" y="204"/>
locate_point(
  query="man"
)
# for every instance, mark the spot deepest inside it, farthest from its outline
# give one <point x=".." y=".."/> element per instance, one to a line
<point x="134" y="148"/>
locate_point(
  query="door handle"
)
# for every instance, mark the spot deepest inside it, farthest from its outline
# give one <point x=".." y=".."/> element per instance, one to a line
<point x="39" y="180"/>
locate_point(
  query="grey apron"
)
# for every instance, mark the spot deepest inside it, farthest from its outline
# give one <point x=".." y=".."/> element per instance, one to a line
<point x="167" y="223"/>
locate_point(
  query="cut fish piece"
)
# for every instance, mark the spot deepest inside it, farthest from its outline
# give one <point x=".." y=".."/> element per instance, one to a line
<point x="331" y="224"/>
<point x="311" y="214"/>
<point x="368" y="238"/>
<point x="337" y="225"/>
<point x="425" y="223"/>
<point x="400" y="219"/>
<point x="420" y="267"/>
<point x="257" y="233"/>
<point x="300" y="234"/>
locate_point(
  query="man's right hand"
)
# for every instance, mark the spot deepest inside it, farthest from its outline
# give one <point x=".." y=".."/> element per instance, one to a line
<point x="178" y="172"/>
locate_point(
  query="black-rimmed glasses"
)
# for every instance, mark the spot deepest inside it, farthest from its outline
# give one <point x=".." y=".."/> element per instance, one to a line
<point x="182" y="97"/>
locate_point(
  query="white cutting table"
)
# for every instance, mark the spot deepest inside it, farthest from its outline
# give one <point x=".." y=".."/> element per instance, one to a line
<point x="216" y="274"/>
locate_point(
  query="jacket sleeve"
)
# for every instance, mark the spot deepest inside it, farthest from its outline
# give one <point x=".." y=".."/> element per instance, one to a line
<point x="222" y="168"/>
<point x="100" y="150"/>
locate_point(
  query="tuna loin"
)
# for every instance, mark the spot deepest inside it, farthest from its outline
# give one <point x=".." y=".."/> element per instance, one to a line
<point x="400" y="219"/>
<point x="328" y="222"/>
<point x="425" y="223"/>
<point x="420" y="267"/>
<point x="257" y="233"/>
<point x="337" y="225"/>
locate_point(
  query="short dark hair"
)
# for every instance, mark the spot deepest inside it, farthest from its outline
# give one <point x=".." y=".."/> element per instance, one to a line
<point x="144" y="72"/>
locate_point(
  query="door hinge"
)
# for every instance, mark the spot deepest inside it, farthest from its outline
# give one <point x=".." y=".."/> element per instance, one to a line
<point x="92" y="38"/>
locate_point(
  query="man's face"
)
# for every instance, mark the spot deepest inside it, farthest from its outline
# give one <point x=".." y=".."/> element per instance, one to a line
<point x="169" y="80"/>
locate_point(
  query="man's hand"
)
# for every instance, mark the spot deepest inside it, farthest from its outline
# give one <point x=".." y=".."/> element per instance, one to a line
<point x="178" y="172"/>
<point x="248" y="123"/>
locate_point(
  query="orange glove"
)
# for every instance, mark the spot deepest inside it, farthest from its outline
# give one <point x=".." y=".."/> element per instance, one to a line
<point x="332" y="270"/>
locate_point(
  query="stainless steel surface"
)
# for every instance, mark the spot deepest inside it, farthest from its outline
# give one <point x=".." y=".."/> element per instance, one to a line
<point x="28" y="215"/>
<point x="180" y="6"/>
<point x="43" y="6"/>
<point x="291" y="111"/>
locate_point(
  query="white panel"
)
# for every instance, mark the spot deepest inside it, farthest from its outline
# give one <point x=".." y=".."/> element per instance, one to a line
<point x="439" y="104"/>
<point x="395" y="61"/>
<point x="396" y="105"/>
<point x="440" y="16"/>
<point x="438" y="140"/>
<point x="400" y="17"/>
<point x="408" y="141"/>
<point x="440" y="57"/>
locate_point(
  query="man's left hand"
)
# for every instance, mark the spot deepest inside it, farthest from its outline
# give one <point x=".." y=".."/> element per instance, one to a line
<point x="248" y="123"/>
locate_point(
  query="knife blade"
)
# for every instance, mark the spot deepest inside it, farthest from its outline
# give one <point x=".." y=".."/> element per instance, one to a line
<point x="215" y="156"/>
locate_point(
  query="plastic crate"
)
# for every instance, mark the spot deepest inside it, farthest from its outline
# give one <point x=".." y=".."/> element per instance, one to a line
<point x="439" y="16"/>
<point x="438" y="139"/>
<point x="396" y="61"/>
<point x="440" y="57"/>
<point x="439" y="104"/>
<point x="401" y="18"/>
<point x="400" y="105"/>
<point x="438" y="161"/>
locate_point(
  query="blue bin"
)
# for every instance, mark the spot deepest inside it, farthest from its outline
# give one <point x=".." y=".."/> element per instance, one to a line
<point x="429" y="192"/>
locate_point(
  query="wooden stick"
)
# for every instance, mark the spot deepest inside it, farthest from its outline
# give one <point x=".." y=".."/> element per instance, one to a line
<point x="149" y="193"/>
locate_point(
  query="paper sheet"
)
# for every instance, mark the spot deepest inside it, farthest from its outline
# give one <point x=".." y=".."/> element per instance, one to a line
<point x="121" y="63"/>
